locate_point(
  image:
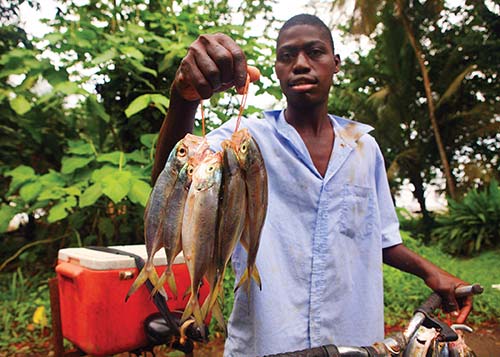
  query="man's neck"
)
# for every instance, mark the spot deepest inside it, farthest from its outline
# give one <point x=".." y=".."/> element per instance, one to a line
<point x="310" y="120"/>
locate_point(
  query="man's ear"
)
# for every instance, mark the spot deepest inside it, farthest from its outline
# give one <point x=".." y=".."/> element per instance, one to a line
<point x="337" y="60"/>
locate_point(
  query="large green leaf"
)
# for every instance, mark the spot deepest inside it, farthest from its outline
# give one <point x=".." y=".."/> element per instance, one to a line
<point x="137" y="105"/>
<point x="57" y="212"/>
<point x="142" y="102"/>
<point x="70" y="164"/>
<point x="132" y="52"/>
<point x="6" y="214"/>
<point x="20" y="175"/>
<point x="30" y="191"/>
<point x="117" y="185"/>
<point x="80" y="147"/>
<point x="20" y="105"/>
<point x="139" y="192"/>
<point x="115" y="157"/>
<point x="91" y="195"/>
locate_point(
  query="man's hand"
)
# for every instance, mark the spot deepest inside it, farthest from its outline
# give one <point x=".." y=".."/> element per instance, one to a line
<point x="437" y="279"/>
<point x="445" y="284"/>
<point x="213" y="64"/>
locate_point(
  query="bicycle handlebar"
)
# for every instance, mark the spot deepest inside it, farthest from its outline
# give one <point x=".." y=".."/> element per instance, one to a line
<point x="435" y="300"/>
<point x="392" y="345"/>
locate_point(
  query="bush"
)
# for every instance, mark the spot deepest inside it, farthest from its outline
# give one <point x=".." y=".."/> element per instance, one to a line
<point x="472" y="224"/>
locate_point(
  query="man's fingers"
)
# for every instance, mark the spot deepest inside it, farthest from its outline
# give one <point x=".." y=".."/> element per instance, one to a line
<point x="465" y="310"/>
<point x="238" y="58"/>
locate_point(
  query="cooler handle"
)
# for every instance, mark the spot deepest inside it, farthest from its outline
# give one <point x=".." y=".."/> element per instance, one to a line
<point x="68" y="270"/>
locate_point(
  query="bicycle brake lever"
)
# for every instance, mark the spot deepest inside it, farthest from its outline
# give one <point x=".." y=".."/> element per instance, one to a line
<point x="446" y="333"/>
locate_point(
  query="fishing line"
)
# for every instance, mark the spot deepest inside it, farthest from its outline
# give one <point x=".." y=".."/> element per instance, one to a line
<point x="243" y="103"/>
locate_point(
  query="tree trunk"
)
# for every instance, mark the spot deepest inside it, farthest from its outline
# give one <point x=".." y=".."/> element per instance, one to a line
<point x="450" y="183"/>
<point x="427" y="220"/>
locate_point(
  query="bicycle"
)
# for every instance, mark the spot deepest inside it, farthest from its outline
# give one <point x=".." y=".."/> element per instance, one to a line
<point x="424" y="335"/>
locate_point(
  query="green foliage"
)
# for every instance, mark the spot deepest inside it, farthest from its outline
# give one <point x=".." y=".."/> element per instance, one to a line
<point x="79" y="132"/>
<point x="228" y="301"/>
<point x="404" y="292"/>
<point x="384" y="88"/>
<point x="20" y="296"/>
<point x="472" y="224"/>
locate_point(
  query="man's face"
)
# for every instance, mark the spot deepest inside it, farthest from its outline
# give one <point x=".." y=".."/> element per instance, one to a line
<point x="305" y="65"/>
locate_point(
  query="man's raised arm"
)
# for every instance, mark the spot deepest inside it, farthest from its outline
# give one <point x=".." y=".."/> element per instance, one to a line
<point x="213" y="64"/>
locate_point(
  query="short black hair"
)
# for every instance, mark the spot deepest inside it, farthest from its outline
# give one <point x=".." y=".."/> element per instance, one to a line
<point x="307" y="19"/>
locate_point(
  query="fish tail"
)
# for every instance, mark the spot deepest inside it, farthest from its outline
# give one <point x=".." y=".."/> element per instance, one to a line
<point x="256" y="276"/>
<point x="243" y="280"/>
<point x="212" y="297"/>
<point x="219" y="316"/>
<point x="193" y="309"/>
<point x="166" y="276"/>
<point x="188" y="311"/>
<point x="148" y="272"/>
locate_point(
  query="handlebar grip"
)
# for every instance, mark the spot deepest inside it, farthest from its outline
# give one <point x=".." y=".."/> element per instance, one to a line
<point x="434" y="301"/>
<point x="467" y="290"/>
<point x="431" y="304"/>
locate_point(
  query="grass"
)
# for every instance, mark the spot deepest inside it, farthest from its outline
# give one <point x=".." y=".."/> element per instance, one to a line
<point x="22" y="293"/>
<point x="404" y="292"/>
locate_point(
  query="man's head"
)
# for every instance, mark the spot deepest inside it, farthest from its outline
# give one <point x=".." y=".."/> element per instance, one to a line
<point x="305" y="61"/>
<point x="307" y="19"/>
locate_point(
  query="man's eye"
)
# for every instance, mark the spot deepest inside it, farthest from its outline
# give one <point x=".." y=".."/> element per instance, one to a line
<point x="315" y="53"/>
<point x="285" y="56"/>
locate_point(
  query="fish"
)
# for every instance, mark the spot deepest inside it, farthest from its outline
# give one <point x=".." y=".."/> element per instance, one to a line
<point x="171" y="217"/>
<point x="252" y="163"/>
<point x="199" y="228"/>
<point x="156" y="206"/>
<point x="231" y="221"/>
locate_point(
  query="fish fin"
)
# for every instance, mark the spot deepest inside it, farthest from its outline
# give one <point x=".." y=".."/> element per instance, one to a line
<point x="212" y="297"/>
<point x="168" y="277"/>
<point x="186" y="292"/>
<point x="219" y="316"/>
<point x="193" y="309"/>
<point x="147" y="272"/>
<point x="188" y="311"/>
<point x="256" y="277"/>
<point x="171" y="282"/>
<point x="242" y="281"/>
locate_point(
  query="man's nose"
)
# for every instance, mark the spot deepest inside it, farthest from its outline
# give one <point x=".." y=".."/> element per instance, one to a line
<point x="301" y="64"/>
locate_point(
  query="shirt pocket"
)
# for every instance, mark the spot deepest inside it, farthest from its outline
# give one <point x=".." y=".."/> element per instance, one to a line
<point x="357" y="212"/>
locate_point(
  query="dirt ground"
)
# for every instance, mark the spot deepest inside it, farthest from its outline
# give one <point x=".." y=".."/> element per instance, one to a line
<point x="484" y="341"/>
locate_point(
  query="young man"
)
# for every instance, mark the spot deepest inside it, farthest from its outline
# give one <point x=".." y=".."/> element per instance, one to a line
<point x="330" y="222"/>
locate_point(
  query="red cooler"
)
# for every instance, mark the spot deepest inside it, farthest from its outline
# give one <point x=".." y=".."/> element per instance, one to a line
<point x="92" y="289"/>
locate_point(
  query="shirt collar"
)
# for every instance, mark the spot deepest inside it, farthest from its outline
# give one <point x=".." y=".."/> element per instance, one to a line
<point x="349" y="130"/>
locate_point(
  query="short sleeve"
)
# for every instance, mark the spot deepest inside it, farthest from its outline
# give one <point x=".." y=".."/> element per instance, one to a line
<point x="389" y="224"/>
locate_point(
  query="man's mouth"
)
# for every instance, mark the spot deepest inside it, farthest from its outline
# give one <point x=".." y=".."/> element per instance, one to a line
<point x="302" y="84"/>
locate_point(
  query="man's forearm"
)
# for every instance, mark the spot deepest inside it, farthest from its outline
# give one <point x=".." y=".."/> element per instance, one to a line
<point x="402" y="258"/>
<point x="178" y="122"/>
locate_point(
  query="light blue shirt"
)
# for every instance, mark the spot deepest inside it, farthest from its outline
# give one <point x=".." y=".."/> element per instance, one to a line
<point x="320" y="255"/>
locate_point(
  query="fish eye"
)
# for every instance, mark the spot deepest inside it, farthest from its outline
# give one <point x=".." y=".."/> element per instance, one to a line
<point x="244" y="148"/>
<point x="182" y="152"/>
<point x="210" y="169"/>
<point x="190" y="170"/>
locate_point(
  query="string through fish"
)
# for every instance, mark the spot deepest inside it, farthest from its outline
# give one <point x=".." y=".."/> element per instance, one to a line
<point x="240" y="112"/>
<point x="243" y="103"/>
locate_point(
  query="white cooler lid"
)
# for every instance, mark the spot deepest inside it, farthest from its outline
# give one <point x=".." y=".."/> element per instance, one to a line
<point x="97" y="260"/>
